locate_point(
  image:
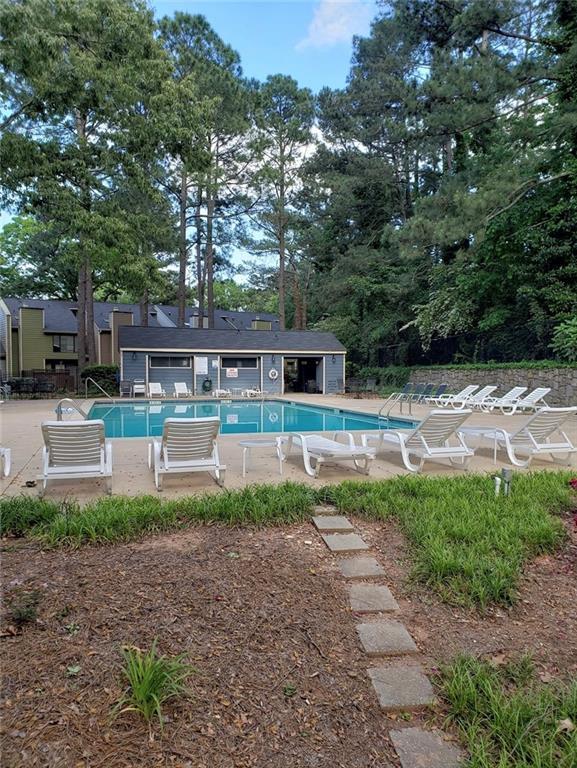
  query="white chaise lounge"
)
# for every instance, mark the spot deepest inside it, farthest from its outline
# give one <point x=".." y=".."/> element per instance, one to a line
<point x="75" y="450"/>
<point x="187" y="445"/>
<point x="5" y="461"/>
<point x="155" y="390"/>
<point x="506" y="403"/>
<point x="533" y="438"/>
<point x="429" y="440"/>
<point x="531" y="402"/>
<point x="455" y="400"/>
<point x="477" y="399"/>
<point x="181" y="389"/>
<point x="323" y="450"/>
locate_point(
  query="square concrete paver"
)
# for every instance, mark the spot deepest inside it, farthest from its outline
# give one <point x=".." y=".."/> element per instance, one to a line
<point x="371" y="598"/>
<point x="401" y="688"/>
<point x="344" y="542"/>
<point x="361" y="568"/>
<point x="332" y="524"/>
<point x="385" y="638"/>
<point x="422" y="749"/>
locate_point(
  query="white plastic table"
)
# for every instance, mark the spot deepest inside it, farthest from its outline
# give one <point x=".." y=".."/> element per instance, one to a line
<point x="269" y="442"/>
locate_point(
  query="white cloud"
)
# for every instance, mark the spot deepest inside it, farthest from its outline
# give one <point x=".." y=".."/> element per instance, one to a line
<point x="336" y="21"/>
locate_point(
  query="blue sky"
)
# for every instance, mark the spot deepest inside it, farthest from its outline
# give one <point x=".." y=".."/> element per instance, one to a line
<point x="308" y="39"/>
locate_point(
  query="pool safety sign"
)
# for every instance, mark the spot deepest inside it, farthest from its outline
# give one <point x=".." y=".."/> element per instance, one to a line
<point x="232" y="373"/>
<point x="201" y="366"/>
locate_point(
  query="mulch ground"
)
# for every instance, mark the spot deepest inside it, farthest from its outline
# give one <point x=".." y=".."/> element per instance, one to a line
<point x="263" y="617"/>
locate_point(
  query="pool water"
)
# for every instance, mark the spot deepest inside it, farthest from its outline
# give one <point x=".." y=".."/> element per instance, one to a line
<point x="145" y="419"/>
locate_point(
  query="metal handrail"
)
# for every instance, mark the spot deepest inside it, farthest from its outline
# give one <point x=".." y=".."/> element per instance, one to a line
<point x="104" y="392"/>
<point x="74" y="405"/>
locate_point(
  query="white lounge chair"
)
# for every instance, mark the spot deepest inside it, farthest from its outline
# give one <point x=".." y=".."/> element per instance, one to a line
<point x="429" y="440"/>
<point x="532" y="401"/>
<point x="532" y="438"/>
<point x="221" y="393"/>
<point x="139" y="387"/>
<point x="187" y="445"/>
<point x="506" y="403"/>
<point x="75" y="450"/>
<point x="5" y="461"/>
<point x="181" y="389"/>
<point x="323" y="450"/>
<point x="478" y="398"/>
<point x="155" y="390"/>
<point x="455" y="400"/>
<point x="251" y="392"/>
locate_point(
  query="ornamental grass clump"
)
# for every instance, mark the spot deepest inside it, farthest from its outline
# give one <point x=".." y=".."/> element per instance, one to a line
<point x="153" y="680"/>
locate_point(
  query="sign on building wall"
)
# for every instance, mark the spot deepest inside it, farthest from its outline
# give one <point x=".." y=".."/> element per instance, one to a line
<point x="201" y="366"/>
<point x="232" y="373"/>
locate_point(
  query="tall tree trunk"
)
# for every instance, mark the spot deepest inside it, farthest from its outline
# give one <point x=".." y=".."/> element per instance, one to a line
<point x="90" y="336"/>
<point x="81" y="318"/>
<point x="209" y="258"/>
<point x="182" y="249"/>
<point x="199" y="261"/>
<point x="144" y="303"/>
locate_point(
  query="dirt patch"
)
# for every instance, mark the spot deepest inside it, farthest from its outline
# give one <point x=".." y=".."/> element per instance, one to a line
<point x="263" y="617"/>
<point x="542" y="623"/>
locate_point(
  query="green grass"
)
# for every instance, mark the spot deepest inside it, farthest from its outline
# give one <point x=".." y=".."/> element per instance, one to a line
<point x="507" y="719"/>
<point x="152" y="681"/>
<point x="467" y="545"/>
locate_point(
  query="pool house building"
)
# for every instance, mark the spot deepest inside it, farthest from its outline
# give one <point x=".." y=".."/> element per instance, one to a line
<point x="275" y="362"/>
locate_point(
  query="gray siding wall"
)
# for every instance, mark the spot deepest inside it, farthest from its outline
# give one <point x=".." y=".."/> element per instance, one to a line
<point x="248" y="378"/>
<point x="167" y="377"/>
<point x="272" y="387"/>
<point x="334" y="372"/>
<point x="133" y="368"/>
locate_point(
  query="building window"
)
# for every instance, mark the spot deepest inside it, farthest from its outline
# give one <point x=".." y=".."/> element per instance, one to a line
<point x="261" y="325"/>
<point x="170" y="362"/>
<point x="64" y="343"/>
<point x="239" y="362"/>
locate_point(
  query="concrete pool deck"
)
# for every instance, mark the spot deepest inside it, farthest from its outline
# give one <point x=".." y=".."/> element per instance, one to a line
<point x="20" y="422"/>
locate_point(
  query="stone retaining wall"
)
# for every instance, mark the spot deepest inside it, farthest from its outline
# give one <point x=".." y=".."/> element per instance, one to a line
<point x="563" y="381"/>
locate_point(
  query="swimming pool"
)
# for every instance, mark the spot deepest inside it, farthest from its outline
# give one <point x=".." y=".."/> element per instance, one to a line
<point x="145" y="419"/>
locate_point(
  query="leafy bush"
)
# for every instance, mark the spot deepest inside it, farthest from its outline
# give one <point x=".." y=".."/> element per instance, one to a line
<point x="395" y="376"/>
<point x="152" y="681"/>
<point x="565" y="340"/>
<point x="105" y="375"/>
<point x="506" y="718"/>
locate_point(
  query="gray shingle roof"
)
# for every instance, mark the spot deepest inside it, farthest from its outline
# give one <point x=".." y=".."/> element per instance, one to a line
<point x="59" y="317"/>
<point x="193" y="339"/>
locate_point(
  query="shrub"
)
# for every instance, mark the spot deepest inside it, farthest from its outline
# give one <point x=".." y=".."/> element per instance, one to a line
<point x="105" y="375"/>
<point x="565" y="340"/>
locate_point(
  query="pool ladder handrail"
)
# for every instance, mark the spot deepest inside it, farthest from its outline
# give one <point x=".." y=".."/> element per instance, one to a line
<point x="104" y="392"/>
<point x="75" y="405"/>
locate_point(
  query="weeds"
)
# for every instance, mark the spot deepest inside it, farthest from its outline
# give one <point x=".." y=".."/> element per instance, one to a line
<point x="509" y="720"/>
<point x="152" y="681"/>
<point x="19" y="514"/>
<point x="23" y="607"/>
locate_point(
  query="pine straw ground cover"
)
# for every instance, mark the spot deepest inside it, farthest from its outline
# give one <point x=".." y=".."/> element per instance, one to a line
<point x="262" y="616"/>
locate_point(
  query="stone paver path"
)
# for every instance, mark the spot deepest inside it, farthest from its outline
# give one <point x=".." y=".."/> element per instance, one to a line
<point x="402" y="688"/>
<point x="422" y="749"/>
<point x="361" y="568"/>
<point x="398" y="687"/>
<point x="371" y="598"/>
<point x="385" y="638"/>
<point x="333" y="524"/>
<point x="344" y="542"/>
